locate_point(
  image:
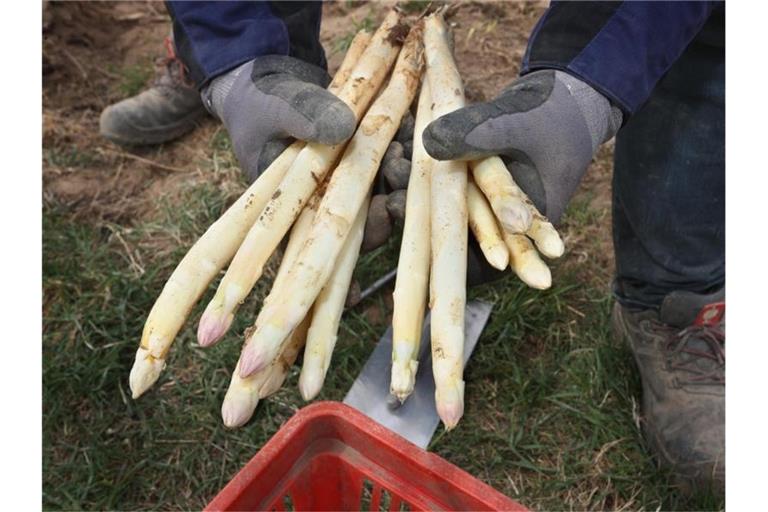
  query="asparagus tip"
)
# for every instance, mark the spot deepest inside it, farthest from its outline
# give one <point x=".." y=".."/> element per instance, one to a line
<point x="498" y="256"/>
<point x="450" y="414"/>
<point x="403" y="378"/>
<point x="262" y="347"/>
<point x="551" y="247"/>
<point x="252" y="361"/>
<point x="145" y="372"/>
<point x="310" y="382"/>
<point x="211" y="329"/>
<point x="238" y="407"/>
<point x="450" y="404"/>
<point x="536" y="274"/>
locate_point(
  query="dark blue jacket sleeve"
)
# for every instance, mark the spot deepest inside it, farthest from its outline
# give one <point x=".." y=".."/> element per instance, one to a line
<point x="214" y="37"/>
<point x="621" y="49"/>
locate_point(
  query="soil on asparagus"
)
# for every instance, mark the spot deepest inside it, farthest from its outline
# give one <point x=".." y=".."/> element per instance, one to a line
<point x="551" y="399"/>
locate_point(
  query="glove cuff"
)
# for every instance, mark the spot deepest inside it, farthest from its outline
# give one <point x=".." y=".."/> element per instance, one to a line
<point x="602" y="118"/>
<point x="214" y="94"/>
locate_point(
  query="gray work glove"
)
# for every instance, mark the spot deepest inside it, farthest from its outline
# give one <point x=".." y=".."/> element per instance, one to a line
<point x="268" y="101"/>
<point x="546" y="126"/>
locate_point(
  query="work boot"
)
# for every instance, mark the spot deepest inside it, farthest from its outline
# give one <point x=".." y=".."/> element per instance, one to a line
<point x="164" y="112"/>
<point x="680" y="352"/>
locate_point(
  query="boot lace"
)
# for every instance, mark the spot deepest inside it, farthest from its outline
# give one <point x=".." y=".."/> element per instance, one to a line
<point x="697" y="353"/>
<point x="175" y="72"/>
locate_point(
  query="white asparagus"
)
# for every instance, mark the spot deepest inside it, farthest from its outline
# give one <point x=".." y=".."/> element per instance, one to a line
<point x="346" y="192"/>
<point x="197" y="269"/>
<point x="243" y="393"/>
<point x="307" y="171"/>
<point x="278" y="369"/>
<point x="513" y="208"/>
<point x="526" y="263"/>
<point x="412" y="282"/>
<point x="242" y="398"/>
<point x="327" y="311"/>
<point x="449" y="234"/>
<point x="547" y="239"/>
<point x="356" y="48"/>
<point x="485" y="228"/>
<point x="214" y="250"/>
<point x="503" y="194"/>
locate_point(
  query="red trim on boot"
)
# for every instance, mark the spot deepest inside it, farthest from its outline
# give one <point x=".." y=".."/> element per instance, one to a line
<point x="711" y="314"/>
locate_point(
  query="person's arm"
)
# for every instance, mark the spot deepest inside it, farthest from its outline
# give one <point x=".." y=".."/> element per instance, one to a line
<point x="214" y="37"/>
<point x="621" y="49"/>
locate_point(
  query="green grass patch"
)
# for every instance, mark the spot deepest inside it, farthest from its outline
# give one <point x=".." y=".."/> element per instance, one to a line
<point x="68" y="157"/>
<point x="220" y="142"/>
<point x="342" y="44"/>
<point x="133" y="79"/>
<point x="414" y="6"/>
<point x="579" y="212"/>
<point x="549" y="397"/>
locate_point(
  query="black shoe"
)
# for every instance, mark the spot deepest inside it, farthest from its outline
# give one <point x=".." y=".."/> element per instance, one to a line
<point x="680" y="352"/>
<point x="164" y="112"/>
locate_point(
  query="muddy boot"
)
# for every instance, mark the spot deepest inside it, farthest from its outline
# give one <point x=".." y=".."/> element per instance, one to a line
<point x="680" y="352"/>
<point x="164" y="112"/>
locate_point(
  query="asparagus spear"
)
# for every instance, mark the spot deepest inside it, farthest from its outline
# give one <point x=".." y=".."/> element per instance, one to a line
<point x="327" y="310"/>
<point x="449" y="234"/>
<point x="410" y="297"/>
<point x="485" y="228"/>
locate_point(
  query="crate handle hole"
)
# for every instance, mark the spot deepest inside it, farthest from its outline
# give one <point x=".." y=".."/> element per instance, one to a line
<point x="366" y="495"/>
<point x="288" y="503"/>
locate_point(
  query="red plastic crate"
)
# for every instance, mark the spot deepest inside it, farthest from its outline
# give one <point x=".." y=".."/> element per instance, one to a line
<point x="329" y="456"/>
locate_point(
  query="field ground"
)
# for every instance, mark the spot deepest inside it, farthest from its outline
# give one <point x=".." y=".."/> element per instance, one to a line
<point x="552" y="401"/>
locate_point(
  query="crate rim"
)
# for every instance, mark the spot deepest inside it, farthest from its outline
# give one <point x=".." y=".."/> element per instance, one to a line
<point x="356" y="419"/>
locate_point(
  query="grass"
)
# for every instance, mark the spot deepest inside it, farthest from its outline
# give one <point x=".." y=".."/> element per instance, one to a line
<point x="549" y="400"/>
<point x="342" y="44"/>
<point x="68" y="157"/>
<point x="414" y="6"/>
<point x="133" y="79"/>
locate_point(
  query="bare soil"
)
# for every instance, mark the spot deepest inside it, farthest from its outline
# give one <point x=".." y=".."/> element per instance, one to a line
<point x="91" y="52"/>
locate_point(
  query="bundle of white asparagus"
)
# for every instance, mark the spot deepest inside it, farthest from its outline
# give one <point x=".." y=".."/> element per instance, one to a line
<point x="321" y="194"/>
<point x="442" y="200"/>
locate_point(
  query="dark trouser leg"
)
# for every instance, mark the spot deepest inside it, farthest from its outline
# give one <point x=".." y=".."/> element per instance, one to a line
<point x="669" y="185"/>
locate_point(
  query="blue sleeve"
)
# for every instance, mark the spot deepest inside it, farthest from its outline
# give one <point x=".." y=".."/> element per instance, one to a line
<point x="214" y="37"/>
<point x="622" y="49"/>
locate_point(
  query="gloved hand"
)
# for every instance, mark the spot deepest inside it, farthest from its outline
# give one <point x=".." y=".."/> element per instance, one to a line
<point x="388" y="201"/>
<point x="546" y="126"/>
<point x="271" y="99"/>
